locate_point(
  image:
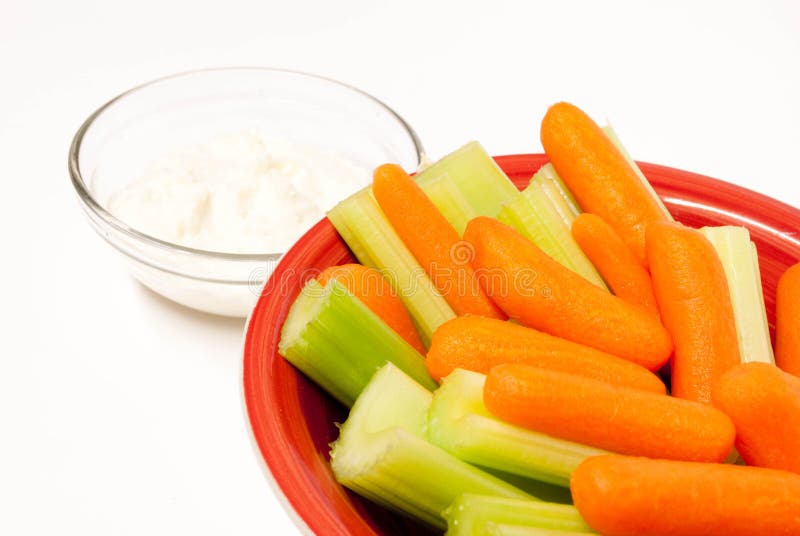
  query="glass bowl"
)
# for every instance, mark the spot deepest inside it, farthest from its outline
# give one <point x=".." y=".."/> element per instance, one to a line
<point x="117" y="143"/>
<point x="293" y="421"/>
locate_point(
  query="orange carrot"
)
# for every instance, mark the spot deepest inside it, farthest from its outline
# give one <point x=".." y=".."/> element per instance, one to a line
<point x="598" y="175"/>
<point x="787" y="321"/>
<point x="540" y="293"/>
<point x="764" y="404"/>
<point x="369" y="286"/>
<point x="476" y="343"/>
<point x="610" y="417"/>
<point x="615" y="261"/>
<point x="627" y="496"/>
<point x="432" y="240"/>
<point x="692" y="294"/>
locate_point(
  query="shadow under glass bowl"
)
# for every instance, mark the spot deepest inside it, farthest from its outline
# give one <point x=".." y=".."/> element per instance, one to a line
<point x="117" y="143"/>
<point x="293" y="421"/>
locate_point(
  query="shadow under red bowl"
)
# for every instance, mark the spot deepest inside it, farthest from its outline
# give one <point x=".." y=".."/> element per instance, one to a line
<point x="292" y="420"/>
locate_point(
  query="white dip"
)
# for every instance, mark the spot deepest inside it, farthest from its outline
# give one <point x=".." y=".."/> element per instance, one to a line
<point x="238" y="193"/>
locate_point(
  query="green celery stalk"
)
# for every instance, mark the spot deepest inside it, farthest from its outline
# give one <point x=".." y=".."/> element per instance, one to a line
<point x="547" y="176"/>
<point x="382" y="455"/>
<point x="477" y="177"/>
<point x="740" y="261"/>
<point x="543" y="491"/>
<point x="498" y="529"/>
<point x="551" y="190"/>
<point x="362" y="224"/>
<point x="459" y="422"/>
<point x="338" y="342"/>
<point x="450" y="201"/>
<point x="609" y="132"/>
<point x="541" y="215"/>
<point x="478" y="515"/>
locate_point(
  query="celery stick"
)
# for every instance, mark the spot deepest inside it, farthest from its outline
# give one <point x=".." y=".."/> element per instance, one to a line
<point x="381" y="454"/>
<point x="740" y="261"/>
<point x="374" y="242"/>
<point x="535" y="215"/>
<point x="498" y="529"/>
<point x="391" y="399"/>
<point x="477" y="177"/>
<point x="333" y="338"/>
<point x="544" y="491"/>
<point x="616" y="141"/>
<point x="549" y="190"/>
<point x="476" y="515"/>
<point x="547" y="175"/>
<point x="459" y="422"/>
<point x="444" y="193"/>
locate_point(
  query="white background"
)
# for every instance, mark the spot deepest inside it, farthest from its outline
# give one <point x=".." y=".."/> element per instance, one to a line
<point x="120" y="413"/>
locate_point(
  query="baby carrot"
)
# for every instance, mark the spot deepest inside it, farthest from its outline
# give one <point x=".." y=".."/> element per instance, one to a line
<point x="432" y="240"/>
<point x="610" y="417"/>
<point x="624" y="273"/>
<point x="477" y="343"/>
<point x="787" y="321"/>
<point x="598" y="175"/>
<point x="764" y="404"/>
<point x="369" y="286"/>
<point x="540" y="293"/>
<point x="692" y="294"/>
<point x="627" y="496"/>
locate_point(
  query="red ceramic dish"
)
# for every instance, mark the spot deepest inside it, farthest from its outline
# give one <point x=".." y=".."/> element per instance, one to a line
<point x="293" y="421"/>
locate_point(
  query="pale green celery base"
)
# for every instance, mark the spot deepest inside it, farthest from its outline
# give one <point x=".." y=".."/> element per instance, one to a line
<point x="547" y="176"/>
<point x="344" y="217"/>
<point x="495" y="529"/>
<point x="381" y="453"/>
<point x="765" y="339"/>
<point x="476" y="175"/>
<point x="392" y="398"/>
<point x="459" y="422"/>
<point x="371" y="238"/>
<point x="558" y="202"/>
<point x="444" y="193"/>
<point x="740" y="261"/>
<point x="609" y="132"/>
<point x="338" y="342"/>
<point x="544" y="491"/>
<point x="535" y="214"/>
<point x="477" y="515"/>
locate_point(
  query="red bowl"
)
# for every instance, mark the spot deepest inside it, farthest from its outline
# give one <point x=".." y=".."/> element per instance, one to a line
<point x="293" y="421"/>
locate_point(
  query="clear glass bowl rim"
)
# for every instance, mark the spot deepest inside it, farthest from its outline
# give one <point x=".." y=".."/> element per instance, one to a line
<point x="89" y="202"/>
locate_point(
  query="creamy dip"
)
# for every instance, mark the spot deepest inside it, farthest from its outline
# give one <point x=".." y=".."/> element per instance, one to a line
<point x="238" y="193"/>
